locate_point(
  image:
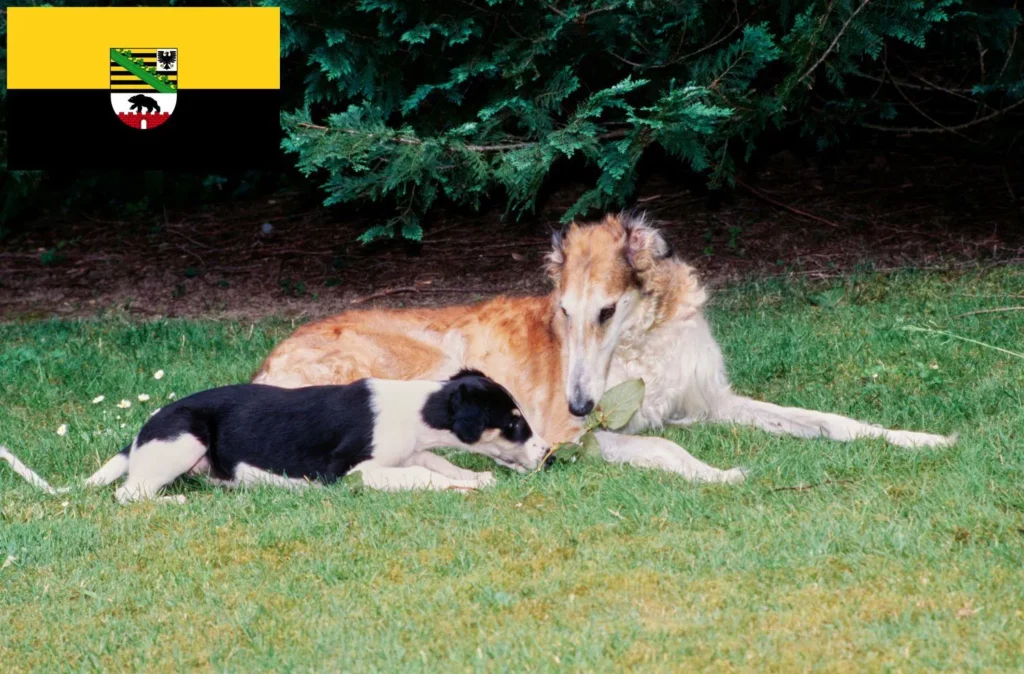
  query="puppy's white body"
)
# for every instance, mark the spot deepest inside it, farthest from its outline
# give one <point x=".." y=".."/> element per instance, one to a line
<point x="399" y="431"/>
<point x="258" y="435"/>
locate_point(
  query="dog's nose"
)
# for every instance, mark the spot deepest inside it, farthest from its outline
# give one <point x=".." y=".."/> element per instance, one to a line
<point x="579" y="409"/>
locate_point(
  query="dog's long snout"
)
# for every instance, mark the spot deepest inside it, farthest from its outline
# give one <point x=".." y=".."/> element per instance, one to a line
<point x="535" y="451"/>
<point x="580" y="406"/>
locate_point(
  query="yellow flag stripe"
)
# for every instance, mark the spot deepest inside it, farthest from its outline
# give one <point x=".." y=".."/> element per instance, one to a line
<point x="118" y="69"/>
<point x="128" y="74"/>
<point x="116" y="79"/>
<point x="41" y="42"/>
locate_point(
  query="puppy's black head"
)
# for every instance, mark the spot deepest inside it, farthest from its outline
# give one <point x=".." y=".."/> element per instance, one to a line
<point x="477" y="404"/>
<point x="483" y="415"/>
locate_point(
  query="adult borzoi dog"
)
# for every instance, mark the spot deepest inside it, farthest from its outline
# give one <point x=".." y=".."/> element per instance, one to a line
<point x="623" y="307"/>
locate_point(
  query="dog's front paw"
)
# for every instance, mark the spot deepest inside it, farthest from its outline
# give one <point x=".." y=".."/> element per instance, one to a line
<point x="485" y="479"/>
<point x="914" y="440"/>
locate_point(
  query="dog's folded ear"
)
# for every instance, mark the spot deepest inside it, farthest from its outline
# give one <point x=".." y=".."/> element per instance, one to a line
<point x="555" y="259"/>
<point x="645" y="245"/>
<point x="467" y="418"/>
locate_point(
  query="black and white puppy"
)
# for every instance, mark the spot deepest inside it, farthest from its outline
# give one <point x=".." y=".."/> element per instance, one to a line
<point x="255" y="434"/>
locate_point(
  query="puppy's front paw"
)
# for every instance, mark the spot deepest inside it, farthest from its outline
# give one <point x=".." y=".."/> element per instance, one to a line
<point x="485" y="479"/>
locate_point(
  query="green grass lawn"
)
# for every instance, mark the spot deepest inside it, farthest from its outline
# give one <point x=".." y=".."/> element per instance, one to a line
<point x="832" y="556"/>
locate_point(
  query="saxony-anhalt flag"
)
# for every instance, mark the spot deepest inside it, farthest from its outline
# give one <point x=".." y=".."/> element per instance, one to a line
<point x="143" y="87"/>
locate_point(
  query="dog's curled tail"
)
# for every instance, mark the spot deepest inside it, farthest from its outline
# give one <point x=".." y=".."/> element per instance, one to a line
<point x="30" y="475"/>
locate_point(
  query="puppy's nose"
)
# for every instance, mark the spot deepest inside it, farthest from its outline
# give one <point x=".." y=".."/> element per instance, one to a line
<point x="579" y="409"/>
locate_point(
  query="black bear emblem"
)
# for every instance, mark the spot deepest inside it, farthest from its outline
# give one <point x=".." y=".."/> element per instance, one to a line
<point x="140" y="101"/>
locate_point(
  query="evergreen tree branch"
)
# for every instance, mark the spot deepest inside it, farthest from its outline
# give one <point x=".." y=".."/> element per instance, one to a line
<point x="498" y="147"/>
<point x="581" y="19"/>
<point x="487" y="99"/>
<point x="938" y="87"/>
<point x="944" y="129"/>
<point x="931" y="86"/>
<point x="921" y="112"/>
<point x="715" y="41"/>
<point x="1010" y="49"/>
<point x="835" y="41"/>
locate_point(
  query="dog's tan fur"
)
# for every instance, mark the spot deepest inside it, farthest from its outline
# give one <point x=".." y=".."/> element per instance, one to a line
<point x="514" y="336"/>
<point x="549" y="349"/>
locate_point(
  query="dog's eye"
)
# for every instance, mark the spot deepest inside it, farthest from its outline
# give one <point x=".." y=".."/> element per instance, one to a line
<point x="565" y="313"/>
<point x="606" y="314"/>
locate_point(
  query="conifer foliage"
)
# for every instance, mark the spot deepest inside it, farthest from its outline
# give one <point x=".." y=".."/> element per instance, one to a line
<point x="411" y="102"/>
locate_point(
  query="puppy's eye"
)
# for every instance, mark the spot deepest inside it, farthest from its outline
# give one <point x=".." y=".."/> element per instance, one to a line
<point x="565" y="313"/>
<point x="606" y="314"/>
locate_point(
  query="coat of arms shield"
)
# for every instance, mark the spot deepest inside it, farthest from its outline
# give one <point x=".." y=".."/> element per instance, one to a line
<point x="143" y="85"/>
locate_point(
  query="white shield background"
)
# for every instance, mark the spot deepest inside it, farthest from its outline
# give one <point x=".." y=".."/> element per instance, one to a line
<point x="122" y="104"/>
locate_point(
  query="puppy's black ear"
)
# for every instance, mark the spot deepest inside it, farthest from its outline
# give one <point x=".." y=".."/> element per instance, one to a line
<point x="466" y="415"/>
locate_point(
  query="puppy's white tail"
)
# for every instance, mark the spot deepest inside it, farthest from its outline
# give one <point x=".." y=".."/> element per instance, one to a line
<point x="21" y="469"/>
<point x="108" y="472"/>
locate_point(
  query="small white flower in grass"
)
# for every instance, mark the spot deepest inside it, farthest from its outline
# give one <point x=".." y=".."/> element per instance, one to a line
<point x="172" y="395"/>
<point x="98" y="399"/>
<point x="143" y="397"/>
<point x="124" y="404"/>
<point x="934" y="366"/>
<point x="62" y="430"/>
<point x="123" y="425"/>
<point x="159" y="374"/>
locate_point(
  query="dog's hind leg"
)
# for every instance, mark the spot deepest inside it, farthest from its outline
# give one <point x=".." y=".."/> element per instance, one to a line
<point x="111" y="470"/>
<point x="250" y="476"/>
<point x="388" y="478"/>
<point x="155" y="464"/>
<point x="653" y="452"/>
<point x="811" y="424"/>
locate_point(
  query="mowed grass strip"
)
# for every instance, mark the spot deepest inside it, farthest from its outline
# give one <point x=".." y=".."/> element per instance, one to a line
<point x="842" y="557"/>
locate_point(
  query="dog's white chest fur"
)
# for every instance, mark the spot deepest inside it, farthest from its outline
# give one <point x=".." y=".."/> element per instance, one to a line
<point x="682" y="369"/>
